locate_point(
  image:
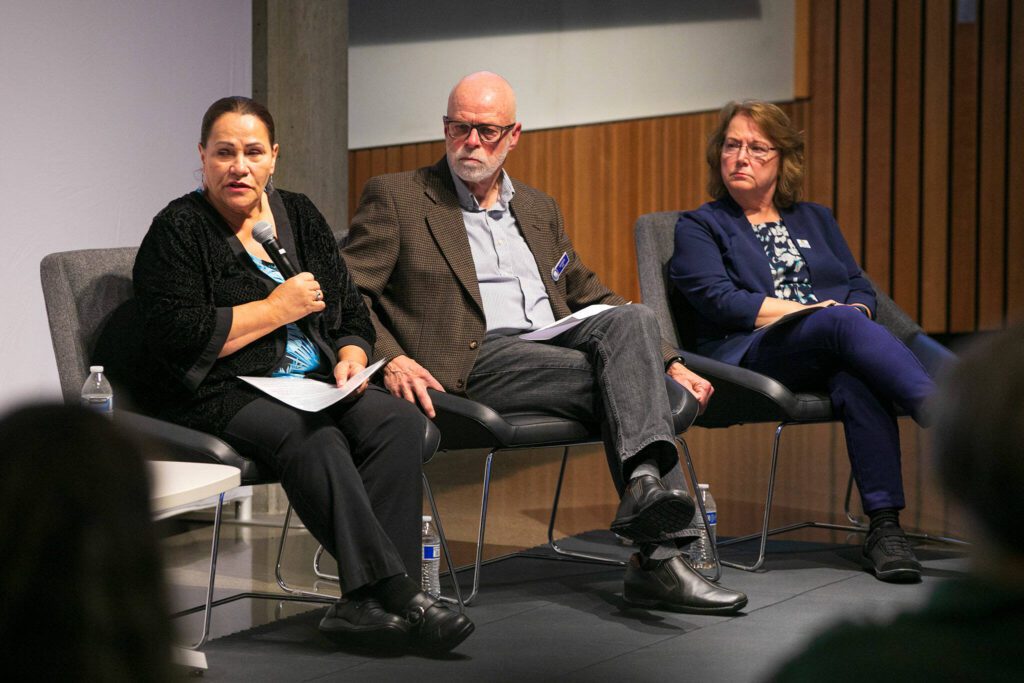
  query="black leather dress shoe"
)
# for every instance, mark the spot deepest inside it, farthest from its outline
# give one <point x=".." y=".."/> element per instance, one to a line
<point x="364" y="623"/>
<point x="889" y="555"/>
<point x="433" y="626"/>
<point x="649" y="511"/>
<point x="675" y="586"/>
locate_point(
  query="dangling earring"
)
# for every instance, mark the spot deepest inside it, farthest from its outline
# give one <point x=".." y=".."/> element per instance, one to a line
<point x="270" y="184"/>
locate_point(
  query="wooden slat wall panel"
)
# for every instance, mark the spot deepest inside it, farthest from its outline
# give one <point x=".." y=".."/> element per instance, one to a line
<point x="992" y="165"/>
<point x="935" y="160"/>
<point x="820" y="179"/>
<point x="849" y="192"/>
<point x="906" y="219"/>
<point x="878" y="144"/>
<point x="1015" y="171"/>
<point x="963" y="232"/>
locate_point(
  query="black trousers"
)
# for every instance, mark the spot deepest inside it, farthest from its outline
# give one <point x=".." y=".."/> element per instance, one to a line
<point x="352" y="473"/>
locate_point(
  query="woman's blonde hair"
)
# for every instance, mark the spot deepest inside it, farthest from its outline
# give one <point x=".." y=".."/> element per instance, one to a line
<point x="788" y="142"/>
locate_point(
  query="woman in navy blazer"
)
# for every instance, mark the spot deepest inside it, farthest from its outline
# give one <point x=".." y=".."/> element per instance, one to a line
<point x="777" y="291"/>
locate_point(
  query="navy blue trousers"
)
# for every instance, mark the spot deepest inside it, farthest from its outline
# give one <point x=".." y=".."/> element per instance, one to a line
<point x="867" y="373"/>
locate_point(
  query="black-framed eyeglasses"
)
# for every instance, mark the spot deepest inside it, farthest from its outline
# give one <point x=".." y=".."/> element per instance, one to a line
<point x="758" y="151"/>
<point x="488" y="132"/>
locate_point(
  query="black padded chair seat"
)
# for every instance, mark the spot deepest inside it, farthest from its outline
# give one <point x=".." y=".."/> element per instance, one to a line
<point x="465" y="424"/>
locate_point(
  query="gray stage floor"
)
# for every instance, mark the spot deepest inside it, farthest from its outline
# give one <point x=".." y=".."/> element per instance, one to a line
<point x="541" y="620"/>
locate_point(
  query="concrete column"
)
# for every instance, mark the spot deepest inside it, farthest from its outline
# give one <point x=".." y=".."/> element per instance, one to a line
<point x="300" y="72"/>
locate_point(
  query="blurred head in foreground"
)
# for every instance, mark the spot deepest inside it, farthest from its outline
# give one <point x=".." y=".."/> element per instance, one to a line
<point x="81" y="576"/>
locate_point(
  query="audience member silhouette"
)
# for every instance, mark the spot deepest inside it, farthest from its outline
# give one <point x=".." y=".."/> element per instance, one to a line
<point x="81" y="576"/>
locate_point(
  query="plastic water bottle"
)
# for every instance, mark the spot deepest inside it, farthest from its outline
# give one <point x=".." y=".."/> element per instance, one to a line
<point x="701" y="550"/>
<point x="97" y="393"/>
<point x="430" y="574"/>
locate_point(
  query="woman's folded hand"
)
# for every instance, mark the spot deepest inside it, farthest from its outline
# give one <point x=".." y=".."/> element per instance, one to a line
<point x="296" y="298"/>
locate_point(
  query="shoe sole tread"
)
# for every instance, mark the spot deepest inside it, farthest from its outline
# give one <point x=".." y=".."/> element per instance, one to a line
<point x="657" y="521"/>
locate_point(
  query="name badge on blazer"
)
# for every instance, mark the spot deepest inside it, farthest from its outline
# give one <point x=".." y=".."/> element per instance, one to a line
<point x="803" y="244"/>
<point x="556" y="272"/>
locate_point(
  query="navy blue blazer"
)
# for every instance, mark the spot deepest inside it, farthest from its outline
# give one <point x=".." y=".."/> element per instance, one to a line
<point x="721" y="268"/>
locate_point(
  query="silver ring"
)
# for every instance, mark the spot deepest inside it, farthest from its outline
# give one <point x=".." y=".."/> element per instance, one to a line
<point x="319" y="296"/>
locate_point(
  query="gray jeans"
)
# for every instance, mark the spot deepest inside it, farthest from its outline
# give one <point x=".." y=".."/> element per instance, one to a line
<point x="606" y="371"/>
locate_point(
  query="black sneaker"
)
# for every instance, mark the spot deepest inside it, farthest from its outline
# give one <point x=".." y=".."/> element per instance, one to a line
<point x="890" y="556"/>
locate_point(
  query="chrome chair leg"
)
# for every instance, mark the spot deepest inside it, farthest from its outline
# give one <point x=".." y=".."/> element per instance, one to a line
<point x="293" y="595"/>
<point x="321" y="574"/>
<point x="214" y="549"/>
<point x="444" y="547"/>
<point x="478" y="562"/>
<point x="285" y="586"/>
<point x="767" y="510"/>
<point x="765" y="530"/>
<point x="854" y="519"/>
<point x="551" y="524"/>
<point x="694" y="486"/>
<point x="318" y="556"/>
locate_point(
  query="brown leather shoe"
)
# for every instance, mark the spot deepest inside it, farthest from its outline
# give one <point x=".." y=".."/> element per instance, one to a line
<point x="649" y="511"/>
<point x="676" y="586"/>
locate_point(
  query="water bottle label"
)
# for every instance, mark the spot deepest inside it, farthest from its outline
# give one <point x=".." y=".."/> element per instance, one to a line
<point x="712" y="517"/>
<point x="430" y="552"/>
<point x="101" y="404"/>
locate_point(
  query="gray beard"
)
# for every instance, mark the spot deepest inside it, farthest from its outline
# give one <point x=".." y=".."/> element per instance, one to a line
<point x="476" y="174"/>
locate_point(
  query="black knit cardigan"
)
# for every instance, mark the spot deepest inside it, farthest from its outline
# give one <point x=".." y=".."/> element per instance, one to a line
<point x="189" y="273"/>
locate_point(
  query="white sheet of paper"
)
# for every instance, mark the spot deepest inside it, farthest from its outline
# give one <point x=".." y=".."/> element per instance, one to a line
<point x="567" y="323"/>
<point x="310" y="395"/>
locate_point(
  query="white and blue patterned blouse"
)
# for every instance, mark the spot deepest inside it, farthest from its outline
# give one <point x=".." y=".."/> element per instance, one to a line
<point x="300" y="354"/>
<point x="789" y="271"/>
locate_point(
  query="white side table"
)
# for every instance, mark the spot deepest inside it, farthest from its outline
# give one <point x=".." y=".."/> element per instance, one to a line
<point x="177" y="484"/>
<point x="174" y="486"/>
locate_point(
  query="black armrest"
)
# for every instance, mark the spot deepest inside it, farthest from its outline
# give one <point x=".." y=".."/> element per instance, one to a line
<point x="684" y="405"/>
<point x="467" y="424"/>
<point x="744" y="396"/>
<point x="174" y="442"/>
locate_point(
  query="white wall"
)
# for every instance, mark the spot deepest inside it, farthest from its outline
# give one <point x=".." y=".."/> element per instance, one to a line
<point x="570" y="61"/>
<point x="100" y="106"/>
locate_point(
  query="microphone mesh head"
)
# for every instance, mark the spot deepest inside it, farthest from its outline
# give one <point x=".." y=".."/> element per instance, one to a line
<point x="262" y="231"/>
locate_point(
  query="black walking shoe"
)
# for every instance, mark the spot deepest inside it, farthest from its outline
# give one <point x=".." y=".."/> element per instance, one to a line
<point x="649" y="511"/>
<point x="889" y="555"/>
<point x="676" y="586"/>
<point x="434" y="627"/>
<point x="364" y="623"/>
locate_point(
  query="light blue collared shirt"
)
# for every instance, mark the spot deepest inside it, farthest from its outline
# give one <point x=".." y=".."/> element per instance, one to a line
<point x="511" y="288"/>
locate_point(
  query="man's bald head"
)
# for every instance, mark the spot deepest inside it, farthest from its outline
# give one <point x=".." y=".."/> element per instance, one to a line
<point x="484" y="92"/>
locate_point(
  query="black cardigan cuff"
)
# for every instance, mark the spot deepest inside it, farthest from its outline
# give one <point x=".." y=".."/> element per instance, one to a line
<point x="222" y="326"/>
<point x="353" y="340"/>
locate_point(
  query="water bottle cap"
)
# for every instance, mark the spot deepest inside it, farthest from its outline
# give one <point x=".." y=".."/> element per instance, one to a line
<point x="703" y="487"/>
<point x="95" y="368"/>
<point x="427" y="518"/>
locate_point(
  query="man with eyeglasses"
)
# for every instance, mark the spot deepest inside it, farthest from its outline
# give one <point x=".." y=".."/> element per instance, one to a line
<point x="456" y="260"/>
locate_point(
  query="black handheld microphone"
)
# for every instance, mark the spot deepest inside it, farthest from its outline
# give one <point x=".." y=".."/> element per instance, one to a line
<point x="263" y="232"/>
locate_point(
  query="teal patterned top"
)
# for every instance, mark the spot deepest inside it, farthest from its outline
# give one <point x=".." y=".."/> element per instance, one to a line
<point x="300" y="354"/>
<point x="789" y="270"/>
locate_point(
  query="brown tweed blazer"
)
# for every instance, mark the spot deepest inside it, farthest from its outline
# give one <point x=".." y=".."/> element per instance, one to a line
<point x="408" y="253"/>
